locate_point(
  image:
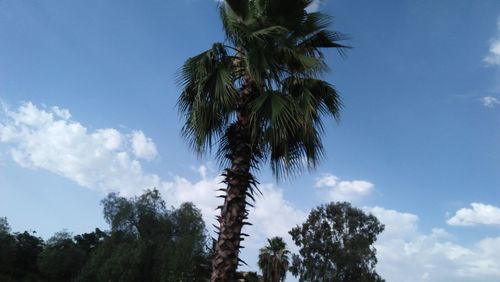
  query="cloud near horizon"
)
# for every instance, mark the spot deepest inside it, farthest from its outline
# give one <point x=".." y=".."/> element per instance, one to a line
<point x="478" y="214"/>
<point x="405" y="253"/>
<point x="106" y="160"/>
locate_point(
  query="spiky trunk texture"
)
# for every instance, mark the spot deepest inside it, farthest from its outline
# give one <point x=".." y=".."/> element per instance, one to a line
<point x="239" y="181"/>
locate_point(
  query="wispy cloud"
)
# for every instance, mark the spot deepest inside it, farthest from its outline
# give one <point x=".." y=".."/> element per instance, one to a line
<point x="489" y="101"/>
<point x="493" y="57"/>
<point x="478" y="214"/>
<point x="343" y="190"/>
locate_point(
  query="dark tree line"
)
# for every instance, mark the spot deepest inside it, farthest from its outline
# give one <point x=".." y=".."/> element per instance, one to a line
<point x="146" y="242"/>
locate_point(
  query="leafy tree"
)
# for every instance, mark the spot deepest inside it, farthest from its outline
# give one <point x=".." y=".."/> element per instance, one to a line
<point x="336" y="245"/>
<point x="4" y="226"/>
<point x="148" y="242"/>
<point x="7" y="249"/>
<point x="61" y="259"/>
<point x="18" y="254"/>
<point x="189" y="245"/>
<point x="259" y="97"/>
<point x="118" y="258"/>
<point x="27" y="249"/>
<point x="90" y="241"/>
<point x="274" y="260"/>
<point x="251" y="277"/>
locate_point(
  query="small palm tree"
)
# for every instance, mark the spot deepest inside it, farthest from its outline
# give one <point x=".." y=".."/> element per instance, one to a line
<point x="258" y="96"/>
<point x="274" y="260"/>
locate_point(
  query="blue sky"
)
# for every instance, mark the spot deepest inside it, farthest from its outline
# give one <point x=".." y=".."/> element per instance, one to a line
<point x="88" y="106"/>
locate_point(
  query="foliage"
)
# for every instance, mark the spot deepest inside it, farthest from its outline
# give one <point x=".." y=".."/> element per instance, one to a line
<point x="147" y="242"/>
<point x="18" y="254"/>
<point x="4" y="226"/>
<point x="336" y="245"/>
<point x="274" y="260"/>
<point x="259" y="98"/>
<point x="251" y="277"/>
<point x="277" y="46"/>
<point x="90" y="241"/>
<point x="61" y="258"/>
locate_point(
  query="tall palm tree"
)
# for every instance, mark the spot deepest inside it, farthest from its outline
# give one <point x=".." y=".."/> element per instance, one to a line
<point x="258" y="97"/>
<point x="274" y="260"/>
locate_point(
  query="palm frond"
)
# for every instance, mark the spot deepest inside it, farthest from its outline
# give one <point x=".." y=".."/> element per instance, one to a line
<point x="209" y="96"/>
<point x="277" y="45"/>
<point x="238" y="7"/>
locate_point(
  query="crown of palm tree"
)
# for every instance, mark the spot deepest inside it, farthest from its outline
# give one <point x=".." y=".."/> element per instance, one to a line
<point x="274" y="260"/>
<point x="275" y="46"/>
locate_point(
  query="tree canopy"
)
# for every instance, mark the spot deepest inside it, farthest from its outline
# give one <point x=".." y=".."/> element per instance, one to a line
<point x="274" y="260"/>
<point x="146" y="242"/>
<point x="336" y="244"/>
<point x="258" y="97"/>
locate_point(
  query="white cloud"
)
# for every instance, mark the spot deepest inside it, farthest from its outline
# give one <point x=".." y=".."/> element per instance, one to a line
<point x="315" y="6"/>
<point x="62" y="113"/>
<point x="344" y="190"/>
<point x="397" y="224"/>
<point x="271" y="216"/>
<point x="478" y="214"/>
<point x="202" y="193"/>
<point x="105" y="160"/>
<point x="275" y="215"/>
<point x="327" y="180"/>
<point x="489" y="101"/>
<point x="48" y="139"/>
<point x="493" y="57"/>
<point x="407" y="254"/>
<point x="142" y="146"/>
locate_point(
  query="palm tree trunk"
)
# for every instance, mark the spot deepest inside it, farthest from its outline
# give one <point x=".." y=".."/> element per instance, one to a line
<point x="239" y="180"/>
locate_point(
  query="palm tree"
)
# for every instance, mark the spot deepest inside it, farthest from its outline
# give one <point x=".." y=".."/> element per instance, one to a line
<point x="258" y="97"/>
<point x="273" y="260"/>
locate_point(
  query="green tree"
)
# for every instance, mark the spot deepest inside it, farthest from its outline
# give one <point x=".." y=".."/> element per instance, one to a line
<point x="4" y="226"/>
<point x="274" y="260"/>
<point x="258" y="96"/>
<point x="336" y="245"/>
<point x="251" y="277"/>
<point x="189" y="247"/>
<point x="118" y="258"/>
<point x="18" y="254"/>
<point x="7" y="249"/>
<point x="147" y="242"/>
<point x="61" y="259"/>
<point x="90" y="241"/>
